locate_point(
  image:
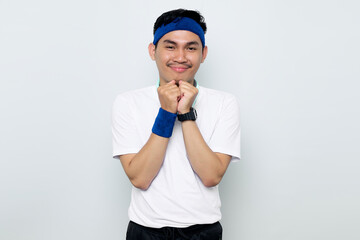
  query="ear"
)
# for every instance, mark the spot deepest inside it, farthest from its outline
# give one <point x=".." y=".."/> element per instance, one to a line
<point x="204" y="54"/>
<point x="152" y="51"/>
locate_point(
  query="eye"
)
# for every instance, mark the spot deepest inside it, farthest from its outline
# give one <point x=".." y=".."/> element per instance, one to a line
<point x="192" y="48"/>
<point x="170" y="47"/>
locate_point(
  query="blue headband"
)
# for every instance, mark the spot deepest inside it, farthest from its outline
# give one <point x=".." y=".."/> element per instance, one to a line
<point x="183" y="23"/>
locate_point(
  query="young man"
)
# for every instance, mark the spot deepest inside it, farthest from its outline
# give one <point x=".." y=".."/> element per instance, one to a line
<point x="176" y="140"/>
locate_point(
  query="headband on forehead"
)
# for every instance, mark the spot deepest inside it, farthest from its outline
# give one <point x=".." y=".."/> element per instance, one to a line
<point x="183" y="23"/>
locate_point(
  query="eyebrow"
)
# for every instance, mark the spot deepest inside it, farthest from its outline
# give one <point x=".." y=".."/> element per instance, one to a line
<point x="169" y="41"/>
<point x="187" y="44"/>
<point x="192" y="43"/>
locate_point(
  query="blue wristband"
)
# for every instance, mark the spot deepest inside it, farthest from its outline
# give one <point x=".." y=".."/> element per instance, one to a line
<point x="164" y="123"/>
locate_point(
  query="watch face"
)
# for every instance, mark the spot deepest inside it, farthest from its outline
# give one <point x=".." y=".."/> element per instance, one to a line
<point x="192" y="115"/>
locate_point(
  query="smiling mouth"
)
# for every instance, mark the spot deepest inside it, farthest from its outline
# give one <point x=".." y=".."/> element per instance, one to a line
<point x="179" y="68"/>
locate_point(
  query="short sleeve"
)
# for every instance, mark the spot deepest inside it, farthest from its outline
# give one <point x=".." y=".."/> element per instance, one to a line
<point x="226" y="136"/>
<point x="125" y="137"/>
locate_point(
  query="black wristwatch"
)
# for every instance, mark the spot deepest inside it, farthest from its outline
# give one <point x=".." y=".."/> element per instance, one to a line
<point x="188" y="116"/>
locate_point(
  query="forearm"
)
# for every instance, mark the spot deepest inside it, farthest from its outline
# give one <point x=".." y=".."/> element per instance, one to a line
<point x="207" y="164"/>
<point x="142" y="167"/>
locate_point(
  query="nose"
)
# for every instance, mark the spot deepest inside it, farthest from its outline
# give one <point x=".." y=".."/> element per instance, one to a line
<point x="180" y="56"/>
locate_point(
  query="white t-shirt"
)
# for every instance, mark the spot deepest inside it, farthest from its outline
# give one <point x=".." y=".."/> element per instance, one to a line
<point x="176" y="197"/>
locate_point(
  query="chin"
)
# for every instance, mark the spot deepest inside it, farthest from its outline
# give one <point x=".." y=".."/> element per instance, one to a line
<point x="178" y="79"/>
<point x="182" y="79"/>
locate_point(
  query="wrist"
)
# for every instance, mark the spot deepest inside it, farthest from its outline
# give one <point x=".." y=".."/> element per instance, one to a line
<point x="190" y="115"/>
<point x="184" y="111"/>
<point x="164" y="123"/>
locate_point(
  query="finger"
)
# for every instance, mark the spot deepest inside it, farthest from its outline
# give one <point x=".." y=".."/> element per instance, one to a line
<point x="186" y="84"/>
<point x="181" y="82"/>
<point x="172" y="82"/>
<point x="167" y="87"/>
<point x="169" y="84"/>
<point x="172" y="92"/>
<point x="188" y="88"/>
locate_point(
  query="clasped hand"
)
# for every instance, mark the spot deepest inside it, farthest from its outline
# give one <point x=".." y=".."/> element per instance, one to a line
<point x="177" y="98"/>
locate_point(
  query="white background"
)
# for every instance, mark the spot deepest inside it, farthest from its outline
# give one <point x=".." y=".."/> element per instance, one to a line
<point x="294" y="65"/>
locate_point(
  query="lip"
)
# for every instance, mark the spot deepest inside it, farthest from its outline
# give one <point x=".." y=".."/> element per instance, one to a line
<point x="179" y="69"/>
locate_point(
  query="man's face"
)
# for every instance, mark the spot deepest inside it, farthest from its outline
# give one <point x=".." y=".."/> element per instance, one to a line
<point x="178" y="56"/>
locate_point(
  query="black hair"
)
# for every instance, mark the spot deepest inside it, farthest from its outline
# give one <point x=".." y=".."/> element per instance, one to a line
<point x="170" y="16"/>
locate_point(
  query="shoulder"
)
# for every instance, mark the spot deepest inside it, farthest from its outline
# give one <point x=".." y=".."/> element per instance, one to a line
<point x="217" y="96"/>
<point x="141" y="92"/>
<point x="137" y="95"/>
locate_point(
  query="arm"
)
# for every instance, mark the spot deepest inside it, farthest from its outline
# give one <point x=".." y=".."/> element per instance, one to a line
<point x="142" y="167"/>
<point x="208" y="165"/>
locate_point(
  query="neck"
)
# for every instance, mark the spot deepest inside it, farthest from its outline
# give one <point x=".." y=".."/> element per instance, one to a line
<point x="162" y="82"/>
